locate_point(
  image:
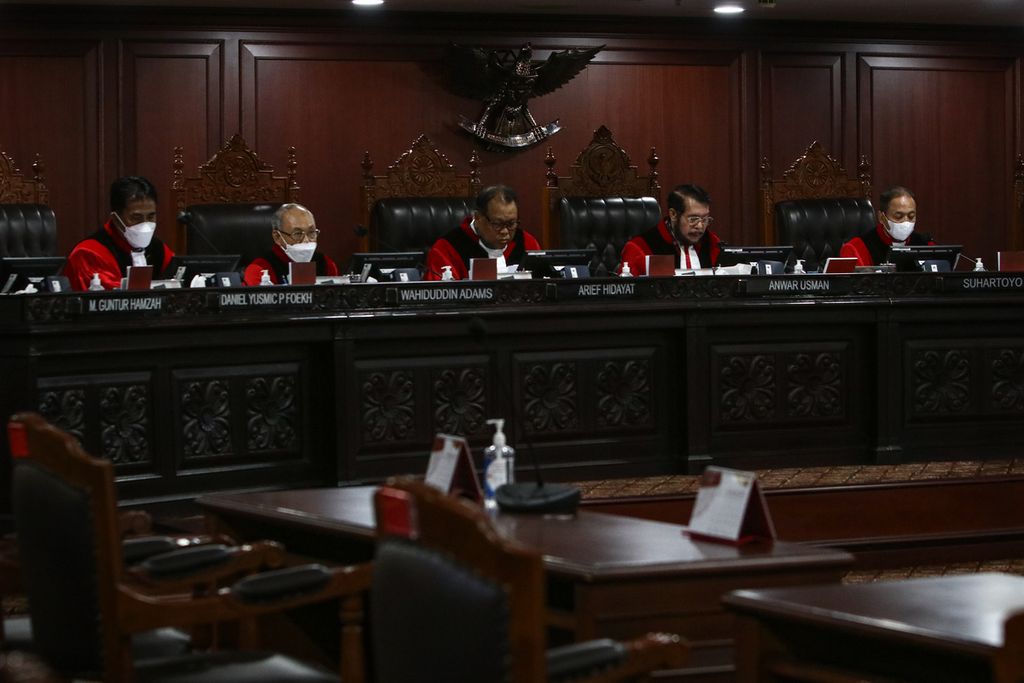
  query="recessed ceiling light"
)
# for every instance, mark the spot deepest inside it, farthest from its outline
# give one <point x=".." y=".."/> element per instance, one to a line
<point x="367" y="3"/>
<point x="729" y="9"/>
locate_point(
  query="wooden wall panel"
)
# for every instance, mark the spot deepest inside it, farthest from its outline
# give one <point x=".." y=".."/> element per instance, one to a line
<point x="160" y="81"/>
<point x="802" y="96"/>
<point x="944" y="128"/>
<point x="688" y="112"/>
<point x="51" y="103"/>
<point x="933" y="109"/>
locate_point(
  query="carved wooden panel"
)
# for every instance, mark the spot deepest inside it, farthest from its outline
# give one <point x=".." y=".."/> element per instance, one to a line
<point x="776" y="385"/>
<point x="550" y="397"/>
<point x="245" y="411"/>
<point x="625" y="393"/>
<point x="603" y="169"/>
<point x="1007" y="387"/>
<point x="940" y="382"/>
<point x="111" y="414"/>
<point x="460" y="400"/>
<point x="407" y="401"/>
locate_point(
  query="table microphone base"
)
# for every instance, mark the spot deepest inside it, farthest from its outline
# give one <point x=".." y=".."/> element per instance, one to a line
<point x="540" y="499"/>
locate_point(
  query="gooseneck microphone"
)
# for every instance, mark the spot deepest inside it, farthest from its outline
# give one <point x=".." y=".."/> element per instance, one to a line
<point x="535" y="497"/>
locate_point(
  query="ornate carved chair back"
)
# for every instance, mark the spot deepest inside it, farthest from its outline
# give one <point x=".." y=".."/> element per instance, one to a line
<point x="28" y="226"/>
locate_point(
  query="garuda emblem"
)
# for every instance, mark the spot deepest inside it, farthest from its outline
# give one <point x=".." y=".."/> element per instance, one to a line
<point x="505" y="80"/>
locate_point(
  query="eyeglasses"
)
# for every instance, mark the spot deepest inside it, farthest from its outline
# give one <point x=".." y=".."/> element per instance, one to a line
<point x="301" y="235"/>
<point x="501" y="226"/>
<point x="694" y="221"/>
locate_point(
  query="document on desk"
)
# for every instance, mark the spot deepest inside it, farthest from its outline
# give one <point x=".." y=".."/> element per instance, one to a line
<point x="730" y="507"/>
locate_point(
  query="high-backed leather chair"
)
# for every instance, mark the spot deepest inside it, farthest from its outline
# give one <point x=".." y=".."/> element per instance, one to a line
<point x="815" y="206"/>
<point x="602" y="203"/>
<point x="451" y="595"/>
<point x="419" y="198"/>
<point x="85" y="606"/>
<point x="228" y="206"/>
<point x="28" y="226"/>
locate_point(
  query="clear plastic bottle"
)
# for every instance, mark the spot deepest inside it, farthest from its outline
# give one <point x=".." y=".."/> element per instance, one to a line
<point x="979" y="267"/>
<point x="446" y="273"/>
<point x="626" y="272"/>
<point x="499" y="463"/>
<point x="265" y="278"/>
<point x="94" y="284"/>
<point x="798" y="269"/>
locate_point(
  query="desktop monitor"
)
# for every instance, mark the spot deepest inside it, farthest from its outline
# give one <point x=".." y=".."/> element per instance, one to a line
<point x="909" y="258"/>
<point x="17" y="271"/>
<point x="381" y="265"/>
<point x="730" y="255"/>
<point x="183" y="268"/>
<point x="549" y="262"/>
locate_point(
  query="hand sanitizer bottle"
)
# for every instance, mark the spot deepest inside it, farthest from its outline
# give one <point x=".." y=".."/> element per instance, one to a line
<point x="265" y="279"/>
<point x="94" y="284"/>
<point x="626" y="272"/>
<point x="798" y="269"/>
<point x="446" y="273"/>
<point x="499" y="461"/>
<point x="979" y="267"/>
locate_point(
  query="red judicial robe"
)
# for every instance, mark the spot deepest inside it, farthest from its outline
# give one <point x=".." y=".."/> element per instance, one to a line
<point x="871" y="247"/>
<point x="458" y="246"/>
<point x="658" y="241"/>
<point x="107" y="253"/>
<point x="275" y="262"/>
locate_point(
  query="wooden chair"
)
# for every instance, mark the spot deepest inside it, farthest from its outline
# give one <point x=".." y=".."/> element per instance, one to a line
<point x="85" y="607"/>
<point x="228" y="206"/>
<point x="450" y="594"/>
<point x="28" y="226"/>
<point x="603" y="201"/>
<point x="419" y="198"/>
<point x="815" y="206"/>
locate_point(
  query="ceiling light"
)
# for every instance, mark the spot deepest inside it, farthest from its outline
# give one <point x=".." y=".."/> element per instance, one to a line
<point x="730" y="8"/>
<point x="367" y="3"/>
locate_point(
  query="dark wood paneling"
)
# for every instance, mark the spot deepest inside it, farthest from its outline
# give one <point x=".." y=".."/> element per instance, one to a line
<point x="160" y="80"/>
<point x="112" y="92"/>
<point x="944" y="127"/>
<point x="51" y="108"/>
<point x="802" y="97"/>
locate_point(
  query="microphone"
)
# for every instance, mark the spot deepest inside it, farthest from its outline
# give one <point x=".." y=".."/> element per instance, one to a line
<point x="537" y="497"/>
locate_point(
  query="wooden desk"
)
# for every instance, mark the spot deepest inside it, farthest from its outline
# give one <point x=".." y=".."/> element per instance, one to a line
<point x="608" y="575"/>
<point x="934" y="630"/>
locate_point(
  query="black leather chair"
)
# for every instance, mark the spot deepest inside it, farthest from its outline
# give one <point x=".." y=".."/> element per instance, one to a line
<point x="605" y="224"/>
<point x="817" y="228"/>
<point x="243" y="229"/>
<point x="460" y="603"/>
<point x="27" y="230"/>
<point x="415" y="223"/>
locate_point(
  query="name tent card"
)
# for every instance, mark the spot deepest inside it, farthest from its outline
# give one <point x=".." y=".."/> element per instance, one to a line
<point x="661" y="265"/>
<point x="302" y="273"/>
<point x="840" y="264"/>
<point x="483" y="269"/>
<point x="450" y="468"/>
<point x="730" y="507"/>
<point x="139" y="277"/>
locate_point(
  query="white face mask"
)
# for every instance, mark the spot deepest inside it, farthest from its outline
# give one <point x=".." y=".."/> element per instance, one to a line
<point x="138" y="235"/>
<point x="301" y="252"/>
<point x="900" y="231"/>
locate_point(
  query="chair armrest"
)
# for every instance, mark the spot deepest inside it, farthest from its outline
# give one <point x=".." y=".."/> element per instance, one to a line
<point x="578" y="659"/>
<point x="213" y="563"/>
<point x="135" y="550"/>
<point x="282" y="583"/>
<point x="652" y="652"/>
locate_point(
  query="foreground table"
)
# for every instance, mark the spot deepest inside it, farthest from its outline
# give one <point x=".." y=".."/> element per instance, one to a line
<point x="608" y="575"/>
<point x="934" y="630"/>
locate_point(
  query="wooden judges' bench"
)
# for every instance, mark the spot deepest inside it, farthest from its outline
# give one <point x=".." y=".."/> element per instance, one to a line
<point x="190" y="391"/>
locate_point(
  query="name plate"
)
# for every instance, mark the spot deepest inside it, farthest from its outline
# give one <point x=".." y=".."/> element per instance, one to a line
<point x="124" y="304"/>
<point x="983" y="282"/>
<point x="264" y="298"/>
<point x="624" y="289"/>
<point x="441" y="294"/>
<point x="796" y="285"/>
